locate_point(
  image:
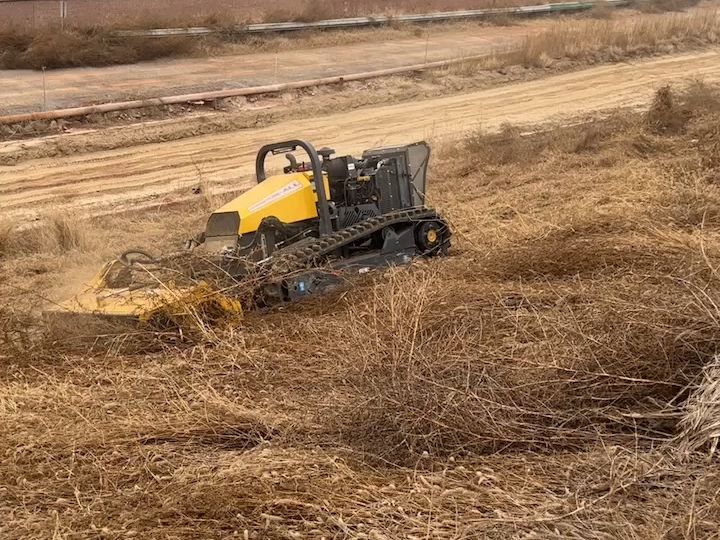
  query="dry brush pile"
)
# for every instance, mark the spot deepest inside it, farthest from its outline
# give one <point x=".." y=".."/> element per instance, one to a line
<point x="555" y="377"/>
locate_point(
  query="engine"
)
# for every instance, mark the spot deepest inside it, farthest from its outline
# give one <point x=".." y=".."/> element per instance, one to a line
<point x="378" y="183"/>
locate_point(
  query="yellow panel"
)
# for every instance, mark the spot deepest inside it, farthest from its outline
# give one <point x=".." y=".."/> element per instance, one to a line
<point x="289" y="197"/>
<point x="144" y="304"/>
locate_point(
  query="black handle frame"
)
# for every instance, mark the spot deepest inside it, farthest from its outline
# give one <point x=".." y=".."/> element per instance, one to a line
<point x="290" y="146"/>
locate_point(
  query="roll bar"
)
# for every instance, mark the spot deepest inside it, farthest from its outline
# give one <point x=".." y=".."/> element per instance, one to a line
<point x="290" y="146"/>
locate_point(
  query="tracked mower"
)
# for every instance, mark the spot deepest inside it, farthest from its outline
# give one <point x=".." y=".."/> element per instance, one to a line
<point x="291" y="235"/>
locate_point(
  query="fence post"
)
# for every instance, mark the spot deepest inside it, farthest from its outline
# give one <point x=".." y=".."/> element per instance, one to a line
<point x="44" y="90"/>
<point x="63" y="14"/>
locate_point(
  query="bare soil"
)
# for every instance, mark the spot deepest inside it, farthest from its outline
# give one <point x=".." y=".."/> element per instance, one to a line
<point x="119" y="179"/>
<point x="554" y="47"/>
<point x="269" y="61"/>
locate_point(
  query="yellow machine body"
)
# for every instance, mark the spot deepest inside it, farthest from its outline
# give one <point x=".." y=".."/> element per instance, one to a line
<point x="241" y="238"/>
<point x="291" y="198"/>
<point x="167" y="301"/>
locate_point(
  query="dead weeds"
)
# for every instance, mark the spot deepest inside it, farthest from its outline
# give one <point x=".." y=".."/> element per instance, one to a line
<point x="597" y="41"/>
<point x="53" y="48"/>
<point x="600" y="37"/>
<point x="664" y="116"/>
<point x="555" y="377"/>
<point x="56" y="233"/>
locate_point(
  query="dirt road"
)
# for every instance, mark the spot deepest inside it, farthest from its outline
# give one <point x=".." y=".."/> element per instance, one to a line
<point x="22" y="91"/>
<point x="103" y="182"/>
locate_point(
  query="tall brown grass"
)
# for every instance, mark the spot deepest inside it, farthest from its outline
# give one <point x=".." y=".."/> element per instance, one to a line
<point x="572" y="316"/>
<point x="701" y="421"/>
<point x="55" y="233"/>
<point x="53" y="48"/>
<point x="555" y="377"/>
<point x="599" y="40"/>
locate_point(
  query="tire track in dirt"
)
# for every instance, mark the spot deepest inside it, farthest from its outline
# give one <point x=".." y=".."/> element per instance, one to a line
<point x="117" y="180"/>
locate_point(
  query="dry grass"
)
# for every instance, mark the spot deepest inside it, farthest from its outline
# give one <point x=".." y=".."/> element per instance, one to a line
<point x="318" y="10"/>
<point x="600" y="37"/>
<point x="7" y="238"/>
<point x="663" y="115"/>
<point x="701" y="422"/>
<point x="601" y="10"/>
<point x="52" y="48"/>
<point x="57" y="233"/>
<point x="554" y="378"/>
<point x="613" y="40"/>
<point x="98" y="47"/>
<point x="590" y="317"/>
<point x="659" y="6"/>
<point x="311" y="11"/>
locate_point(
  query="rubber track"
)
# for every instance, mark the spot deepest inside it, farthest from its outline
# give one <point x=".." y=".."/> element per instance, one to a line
<point x="292" y="259"/>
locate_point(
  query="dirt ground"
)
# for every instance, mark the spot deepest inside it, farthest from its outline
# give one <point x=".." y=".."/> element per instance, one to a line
<point x="156" y="174"/>
<point x="261" y="60"/>
<point x="344" y="53"/>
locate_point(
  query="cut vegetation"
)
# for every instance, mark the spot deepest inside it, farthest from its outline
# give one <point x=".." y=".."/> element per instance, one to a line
<point x="555" y="377"/>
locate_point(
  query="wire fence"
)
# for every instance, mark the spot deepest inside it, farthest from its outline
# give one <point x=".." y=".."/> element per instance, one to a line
<point x="36" y="14"/>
